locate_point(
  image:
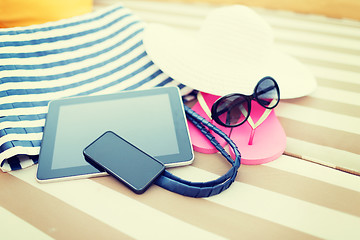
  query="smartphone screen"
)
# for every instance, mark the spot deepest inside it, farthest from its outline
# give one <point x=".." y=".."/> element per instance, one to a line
<point x="124" y="161"/>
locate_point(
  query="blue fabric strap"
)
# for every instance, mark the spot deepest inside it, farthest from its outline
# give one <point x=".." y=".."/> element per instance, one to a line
<point x="210" y="188"/>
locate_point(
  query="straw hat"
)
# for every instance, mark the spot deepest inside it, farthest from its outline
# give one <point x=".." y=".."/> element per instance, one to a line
<point x="231" y="52"/>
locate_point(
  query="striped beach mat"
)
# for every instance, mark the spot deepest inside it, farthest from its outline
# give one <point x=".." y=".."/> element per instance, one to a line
<point x="96" y="53"/>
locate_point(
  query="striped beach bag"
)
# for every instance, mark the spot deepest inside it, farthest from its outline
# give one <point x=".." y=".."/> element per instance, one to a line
<point x="96" y="53"/>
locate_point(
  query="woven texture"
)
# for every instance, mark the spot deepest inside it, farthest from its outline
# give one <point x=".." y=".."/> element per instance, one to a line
<point x="209" y="188"/>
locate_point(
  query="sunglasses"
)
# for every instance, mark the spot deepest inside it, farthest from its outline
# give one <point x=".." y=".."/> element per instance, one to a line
<point x="234" y="109"/>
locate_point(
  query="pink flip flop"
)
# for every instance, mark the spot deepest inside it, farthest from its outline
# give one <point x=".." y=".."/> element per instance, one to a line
<point x="199" y="141"/>
<point x="261" y="138"/>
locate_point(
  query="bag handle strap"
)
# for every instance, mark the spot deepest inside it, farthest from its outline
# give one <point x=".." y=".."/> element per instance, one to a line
<point x="210" y="188"/>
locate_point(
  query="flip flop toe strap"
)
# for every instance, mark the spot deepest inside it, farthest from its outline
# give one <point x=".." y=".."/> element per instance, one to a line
<point x="204" y="105"/>
<point x="258" y="122"/>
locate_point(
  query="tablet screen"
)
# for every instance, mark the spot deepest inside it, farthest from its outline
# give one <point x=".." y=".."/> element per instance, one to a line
<point x="131" y="118"/>
<point x="153" y="120"/>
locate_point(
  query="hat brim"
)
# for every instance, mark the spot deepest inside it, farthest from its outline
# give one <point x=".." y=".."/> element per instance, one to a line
<point x="182" y="57"/>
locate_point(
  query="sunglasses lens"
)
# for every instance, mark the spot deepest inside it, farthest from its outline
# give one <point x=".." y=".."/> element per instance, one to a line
<point x="232" y="110"/>
<point x="267" y="93"/>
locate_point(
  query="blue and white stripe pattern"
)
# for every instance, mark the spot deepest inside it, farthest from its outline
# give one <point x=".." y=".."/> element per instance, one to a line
<point x="96" y="53"/>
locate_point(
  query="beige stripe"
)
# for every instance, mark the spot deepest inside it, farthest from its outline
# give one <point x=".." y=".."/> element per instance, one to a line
<point x="286" y="183"/>
<point x="307" y="18"/>
<point x="49" y="214"/>
<point x="303" y="188"/>
<point x="335" y="74"/>
<point x="329" y="64"/>
<point x="314" y="31"/>
<point x="339" y="49"/>
<point x="321" y="135"/>
<point x="207" y="215"/>
<point x="331" y="157"/>
<point x="13" y="227"/>
<point x="331" y="106"/>
<point x="351" y="87"/>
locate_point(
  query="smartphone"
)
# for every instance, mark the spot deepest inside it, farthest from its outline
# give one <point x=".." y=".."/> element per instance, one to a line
<point x="124" y="161"/>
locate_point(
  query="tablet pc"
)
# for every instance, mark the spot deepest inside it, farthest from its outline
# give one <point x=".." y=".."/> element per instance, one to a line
<point x="153" y="120"/>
